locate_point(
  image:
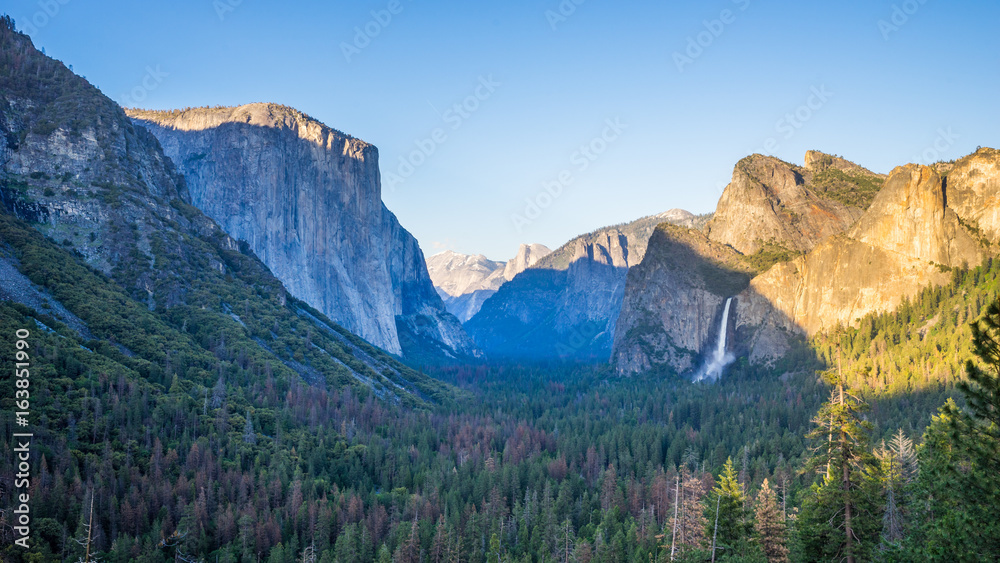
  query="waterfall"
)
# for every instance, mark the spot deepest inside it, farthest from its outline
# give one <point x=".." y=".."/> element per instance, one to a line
<point x="719" y="359"/>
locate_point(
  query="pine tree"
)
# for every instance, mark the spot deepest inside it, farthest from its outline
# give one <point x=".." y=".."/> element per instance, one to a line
<point x="770" y="526"/>
<point x="249" y="436"/>
<point x="565" y="543"/>
<point x="897" y="468"/>
<point x="439" y="547"/>
<point x="409" y="550"/>
<point x="958" y="487"/>
<point x="686" y="529"/>
<point x="977" y="428"/>
<point x="725" y="513"/>
<point x="842" y="453"/>
<point x="494" y="554"/>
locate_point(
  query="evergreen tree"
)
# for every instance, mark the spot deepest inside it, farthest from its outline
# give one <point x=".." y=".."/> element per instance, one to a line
<point x="770" y="526"/>
<point x="494" y="553"/>
<point x="842" y="501"/>
<point x="958" y="485"/>
<point x="724" y="512"/>
<point x="249" y="436"/>
<point x="977" y="428"/>
<point x="897" y="468"/>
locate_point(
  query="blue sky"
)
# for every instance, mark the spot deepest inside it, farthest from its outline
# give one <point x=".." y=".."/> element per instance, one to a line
<point x="529" y="155"/>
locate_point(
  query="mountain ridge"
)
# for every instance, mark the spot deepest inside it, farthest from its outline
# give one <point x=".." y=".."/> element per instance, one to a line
<point x="307" y="199"/>
<point x="466" y="281"/>
<point x="569" y="301"/>
<point x="908" y="235"/>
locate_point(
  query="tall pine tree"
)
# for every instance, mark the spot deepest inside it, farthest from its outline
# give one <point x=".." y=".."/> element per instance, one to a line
<point x="770" y="526"/>
<point x="839" y="519"/>
<point x="959" y="481"/>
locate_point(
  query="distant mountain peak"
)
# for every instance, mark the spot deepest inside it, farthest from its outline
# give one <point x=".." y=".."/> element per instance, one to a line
<point x="465" y="281"/>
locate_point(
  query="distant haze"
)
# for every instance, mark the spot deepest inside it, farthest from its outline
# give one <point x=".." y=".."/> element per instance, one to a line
<point x="506" y="101"/>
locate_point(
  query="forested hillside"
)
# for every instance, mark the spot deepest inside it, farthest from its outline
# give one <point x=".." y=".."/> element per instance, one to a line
<point x="184" y="407"/>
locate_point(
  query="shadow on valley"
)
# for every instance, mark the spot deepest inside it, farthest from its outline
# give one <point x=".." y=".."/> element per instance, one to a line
<point x="548" y="320"/>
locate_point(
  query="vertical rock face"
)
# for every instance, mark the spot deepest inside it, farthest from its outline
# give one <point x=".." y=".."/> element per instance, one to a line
<point x="973" y="189"/>
<point x="897" y="248"/>
<point x="773" y="202"/>
<point x="915" y="227"/>
<point x="911" y="217"/>
<point x="74" y="167"/>
<point x="567" y="305"/>
<point x="673" y="302"/>
<point x="307" y="199"/>
<point x="465" y="281"/>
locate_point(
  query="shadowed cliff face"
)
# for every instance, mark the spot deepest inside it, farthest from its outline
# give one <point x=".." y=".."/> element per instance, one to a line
<point x="673" y="301"/>
<point x="547" y="312"/>
<point x="166" y="289"/>
<point x="307" y="199"/>
<point x="567" y="305"/>
<point x="917" y="227"/>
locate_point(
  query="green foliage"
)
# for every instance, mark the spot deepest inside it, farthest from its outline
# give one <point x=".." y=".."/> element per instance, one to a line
<point x="727" y="505"/>
<point x="768" y="255"/>
<point x="958" y="489"/>
<point x="770" y="526"/>
<point x="856" y="190"/>
<point x="923" y="345"/>
<point x="838" y="517"/>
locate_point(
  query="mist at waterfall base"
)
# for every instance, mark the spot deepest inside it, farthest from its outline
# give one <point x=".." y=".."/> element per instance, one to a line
<point x="716" y="363"/>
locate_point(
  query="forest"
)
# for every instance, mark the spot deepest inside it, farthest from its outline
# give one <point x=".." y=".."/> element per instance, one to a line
<point x="183" y="446"/>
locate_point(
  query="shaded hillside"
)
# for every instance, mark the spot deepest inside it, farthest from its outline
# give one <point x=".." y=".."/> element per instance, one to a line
<point x="465" y="282"/>
<point x="567" y="304"/>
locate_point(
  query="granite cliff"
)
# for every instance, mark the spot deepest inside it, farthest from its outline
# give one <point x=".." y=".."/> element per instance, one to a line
<point x="910" y="237"/>
<point x="567" y="304"/>
<point x="99" y="243"/>
<point x="307" y="200"/>
<point x="674" y="299"/>
<point x="827" y="244"/>
<point x="772" y="202"/>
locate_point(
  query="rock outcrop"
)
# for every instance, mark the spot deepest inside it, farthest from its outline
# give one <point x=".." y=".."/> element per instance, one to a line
<point x="156" y="290"/>
<point x="466" y="281"/>
<point x="908" y="238"/>
<point x="566" y="305"/>
<point x="916" y="227"/>
<point x="973" y="190"/>
<point x="673" y="304"/>
<point x="772" y="202"/>
<point x="307" y="200"/>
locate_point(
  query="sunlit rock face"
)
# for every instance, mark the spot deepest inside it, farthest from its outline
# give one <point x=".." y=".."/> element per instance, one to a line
<point x="307" y="199"/>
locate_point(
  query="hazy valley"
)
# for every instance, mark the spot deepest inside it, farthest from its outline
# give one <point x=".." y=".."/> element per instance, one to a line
<point x="239" y="354"/>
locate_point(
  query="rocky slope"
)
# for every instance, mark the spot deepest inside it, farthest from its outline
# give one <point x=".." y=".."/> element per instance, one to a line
<point x="772" y="202"/>
<point x="307" y="199"/>
<point x="916" y="228"/>
<point x="568" y="303"/>
<point x="908" y="238"/>
<point x="152" y="286"/>
<point x="674" y="300"/>
<point x="466" y="281"/>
